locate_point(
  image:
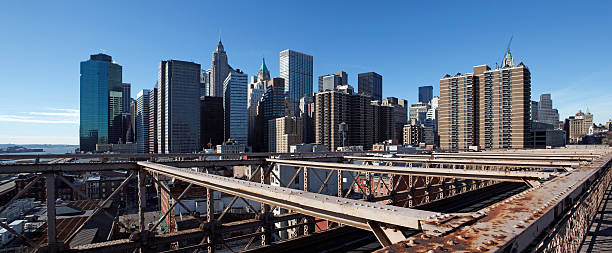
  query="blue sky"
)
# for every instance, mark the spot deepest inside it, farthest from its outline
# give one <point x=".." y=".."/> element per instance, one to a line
<point x="566" y="45"/>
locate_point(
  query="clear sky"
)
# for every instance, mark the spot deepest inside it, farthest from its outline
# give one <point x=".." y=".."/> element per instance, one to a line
<point x="566" y="45"/>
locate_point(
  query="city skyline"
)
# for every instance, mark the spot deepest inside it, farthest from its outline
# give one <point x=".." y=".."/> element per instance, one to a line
<point x="394" y="50"/>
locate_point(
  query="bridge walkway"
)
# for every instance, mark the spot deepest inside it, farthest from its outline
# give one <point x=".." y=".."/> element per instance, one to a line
<point x="599" y="237"/>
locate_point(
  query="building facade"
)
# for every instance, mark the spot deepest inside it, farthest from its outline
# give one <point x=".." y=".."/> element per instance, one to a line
<point x="339" y="107"/>
<point x="255" y="92"/>
<point x="370" y="84"/>
<point x="236" y="120"/>
<point x="284" y="132"/>
<point x="331" y="81"/>
<point x="578" y="126"/>
<point x="400" y="117"/>
<point x="142" y="120"/>
<point x="307" y="110"/>
<point x="418" y="112"/>
<point x="413" y="134"/>
<point x="153" y="147"/>
<point x="178" y="107"/>
<point x="489" y="108"/>
<point x="383" y="117"/>
<point x="211" y="121"/>
<point x="546" y="114"/>
<point x="100" y="102"/>
<point x="219" y="69"/>
<point x="272" y="105"/>
<point x="296" y="70"/>
<point x="425" y="94"/>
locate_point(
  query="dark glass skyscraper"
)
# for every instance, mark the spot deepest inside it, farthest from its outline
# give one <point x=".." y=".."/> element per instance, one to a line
<point x="370" y="84"/>
<point x="178" y="107"/>
<point x="100" y="102"/>
<point x="425" y="94"/>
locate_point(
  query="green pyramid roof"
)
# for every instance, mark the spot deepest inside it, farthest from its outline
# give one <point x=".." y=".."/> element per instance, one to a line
<point x="263" y="67"/>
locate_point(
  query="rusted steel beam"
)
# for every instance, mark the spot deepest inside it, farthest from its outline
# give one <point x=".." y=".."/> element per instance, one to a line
<point x="346" y="211"/>
<point x="512" y="157"/>
<point x="539" y="164"/>
<point x="520" y="222"/>
<point x="510" y="176"/>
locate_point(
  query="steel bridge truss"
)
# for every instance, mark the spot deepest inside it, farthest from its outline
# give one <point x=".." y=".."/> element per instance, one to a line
<point x="412" y="180"/>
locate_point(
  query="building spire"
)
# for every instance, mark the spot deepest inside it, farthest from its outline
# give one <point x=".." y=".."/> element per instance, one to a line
<point x="263" y="67"/>
<point x="263" y="74"/>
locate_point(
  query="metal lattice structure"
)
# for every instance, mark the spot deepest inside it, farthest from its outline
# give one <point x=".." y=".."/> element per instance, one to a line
<point x="565" y="187"/>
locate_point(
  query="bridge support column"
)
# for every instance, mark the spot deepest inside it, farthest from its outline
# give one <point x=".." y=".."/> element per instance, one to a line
<point x="142" y="199"/>
<point x="266" y="236"/>
<point x="51" y="228"/>
<point x="210" y="218"/>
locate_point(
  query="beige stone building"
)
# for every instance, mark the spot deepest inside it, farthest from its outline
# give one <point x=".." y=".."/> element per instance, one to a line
<point x="579" y="126"/>
<point x="284" y="132"/>
<point x="489" y="108"/>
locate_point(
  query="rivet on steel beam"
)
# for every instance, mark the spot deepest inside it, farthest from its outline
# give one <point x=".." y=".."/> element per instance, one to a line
<point x="481" y="248"/>
<point x="462" y="237"/>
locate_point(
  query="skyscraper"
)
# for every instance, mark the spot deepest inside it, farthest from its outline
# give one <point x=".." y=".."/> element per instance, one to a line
<point x="400" y="117"/>
<point x="126" y="97"/>
<point x="284" y="132"/>
<point x="255" y="91"/>
<point x="458" y="123"/>
<point x="204" y="83"/>
<point x="178" y="105"/>
<point x="153" y="147"/>
<point x="211" y="118"/>
<point x="535" y="109"/>
<point x="271" y="106"/>
<point x="384" y="121"/>
<point x="100" y="102"/>
<point x="546" y="113"/>
<point x="331" y="81"/>
<point x="425" y="94"/>
<point x="296" y="69"/>
<point x="235" y="107"/>
<point x="342" y="105"/>
<point x="487" y="108"/>
<point x="307" y="115"/>
<point x="142" y="120"/>
<point x="219" y="69"/>
<point x="370" y="84"/>
<point x="418" y="112"/>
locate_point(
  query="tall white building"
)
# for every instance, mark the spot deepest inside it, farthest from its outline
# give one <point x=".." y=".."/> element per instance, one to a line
<point x="296" y="69"/>
<point x="142" y="120"/>
<point x="430" y="130"/>
<point x="235" y="107"/>
<point x="418" y="112"/>
<point x="256" y="89"/>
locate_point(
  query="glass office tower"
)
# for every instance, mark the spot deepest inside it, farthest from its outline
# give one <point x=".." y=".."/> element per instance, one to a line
<point x="100" y="102"/>
<point x="296" y="69"/>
